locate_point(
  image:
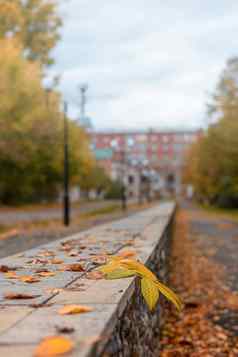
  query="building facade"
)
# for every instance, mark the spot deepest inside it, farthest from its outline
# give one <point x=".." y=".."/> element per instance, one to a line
<point x="152" y="159"/>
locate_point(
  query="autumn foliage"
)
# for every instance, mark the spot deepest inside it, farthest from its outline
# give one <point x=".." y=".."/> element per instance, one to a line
<point x="31" y="117"/>
<point x="211" y="164"/>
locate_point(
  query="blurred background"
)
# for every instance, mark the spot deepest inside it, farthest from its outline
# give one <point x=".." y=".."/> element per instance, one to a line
<point x="109" y="105"/>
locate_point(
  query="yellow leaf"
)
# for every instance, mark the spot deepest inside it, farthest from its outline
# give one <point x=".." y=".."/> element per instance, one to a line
<point x="53" y="346"/>
<point x="170" y="295"/>
<point x="120" y="273"/>
<point x="138" y="267"/>
<point x="150" y="292"/>
<point x="109" y="267"/>
<point x="119" y="267"/>
<point x="75" y="309"/>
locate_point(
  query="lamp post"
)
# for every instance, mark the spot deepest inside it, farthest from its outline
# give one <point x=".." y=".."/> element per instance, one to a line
<point x="120" y="153"/>
<point x="66" y="201"/>
<point x="123" y="187"/>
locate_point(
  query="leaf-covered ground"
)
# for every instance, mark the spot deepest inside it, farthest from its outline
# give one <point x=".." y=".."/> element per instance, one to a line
<point x="204" y="271"/>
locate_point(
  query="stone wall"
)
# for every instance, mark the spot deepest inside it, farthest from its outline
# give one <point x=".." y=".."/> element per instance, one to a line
<point x="120" y="323"/>
<point x="137" y="331"/>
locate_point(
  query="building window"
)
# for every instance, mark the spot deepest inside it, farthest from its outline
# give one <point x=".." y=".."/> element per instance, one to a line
<point x="131" y="179"/>
<point x="165" y="138"/>
<point x="165" y="147"/>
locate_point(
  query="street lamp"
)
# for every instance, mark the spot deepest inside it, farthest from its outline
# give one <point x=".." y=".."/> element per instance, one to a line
<point x="115" y="147"/>
<point x="66" y="201"/>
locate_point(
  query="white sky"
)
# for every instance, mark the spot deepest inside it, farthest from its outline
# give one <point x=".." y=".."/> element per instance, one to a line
<point x="148" y="63"/>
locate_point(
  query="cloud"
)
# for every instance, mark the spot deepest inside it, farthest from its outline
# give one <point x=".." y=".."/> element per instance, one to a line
<point x="148" y="64"/>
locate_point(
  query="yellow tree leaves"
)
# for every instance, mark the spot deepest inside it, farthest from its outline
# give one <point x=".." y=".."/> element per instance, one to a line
<point x="32" y="126"/>
<point x="119" y="267"/>
<point x="34" y="23"/>
<point x="54" y="346"/>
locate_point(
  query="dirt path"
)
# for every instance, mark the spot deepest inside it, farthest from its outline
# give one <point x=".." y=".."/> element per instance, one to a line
<point x="204" y="270"/>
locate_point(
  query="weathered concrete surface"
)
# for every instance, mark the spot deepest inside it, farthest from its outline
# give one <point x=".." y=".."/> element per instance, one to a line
<point x="120" y="323"/>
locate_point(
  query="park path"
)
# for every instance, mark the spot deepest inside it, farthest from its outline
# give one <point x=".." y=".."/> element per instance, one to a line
<point x="10" y="216"/>
<point x="28" y="235"/>
<point x="204" y="270"/>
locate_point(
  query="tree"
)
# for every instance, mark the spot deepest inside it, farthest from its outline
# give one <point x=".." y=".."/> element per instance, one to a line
<point x="35" y="24"/>
<point x="225" y="99"/>
<point x="31" y="136"/>
<point x="212" y="164"/>
<point x="95" y="179"/>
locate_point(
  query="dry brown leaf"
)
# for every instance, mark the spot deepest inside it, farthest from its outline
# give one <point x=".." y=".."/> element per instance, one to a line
<point x="16" y="296"/>
<point x="53" y="346"/>
<point x="75" y="267"/>
<point x="99" y="259"/>
<point x="74" y="309"/>
<point x="56" y="261"/>
<point x="11" y="275"/>
<point x="127" y="254"/>
<point x="64" y="329"/>
<point x="73" y="253"/>
<point x="54" y="290"/>
<point x="94" y="275"/>
<point x="46" y="273"/>
<point x="46" y="253"/>
<point x="29" y="279"/>
<point x="6" y="268"/>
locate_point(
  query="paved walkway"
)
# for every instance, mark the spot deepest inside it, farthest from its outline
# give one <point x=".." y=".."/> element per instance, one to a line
<point x="206" y="273"/>
<point x="11" y="216"/>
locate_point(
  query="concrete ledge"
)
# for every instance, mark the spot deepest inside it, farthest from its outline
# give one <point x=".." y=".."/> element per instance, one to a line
<point x="120" y="323"/>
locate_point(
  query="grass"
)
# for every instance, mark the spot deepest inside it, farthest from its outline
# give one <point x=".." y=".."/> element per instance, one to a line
<point x="223" y="212"/>
<point x="102" y="211"/>
<point x="41" y="206"/>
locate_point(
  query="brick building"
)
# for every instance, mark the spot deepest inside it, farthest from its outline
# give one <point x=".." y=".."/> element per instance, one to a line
<point x="135" y="156"/>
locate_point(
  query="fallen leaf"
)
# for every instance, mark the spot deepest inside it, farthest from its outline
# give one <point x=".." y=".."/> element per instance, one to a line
<point x="13" y="296"/>
<point x="11" y="275"/>
<point x="73" y="253"/>
<point x="150" y="292"/>
<point x="46" y="273"/>
<point x="54" y="290"/>
<point x="64" y="329"/>
<point x="74" y="309"/>
<point x="127" y="254"/>
<point x="29" y="279"/>
<point x="46" y="253"/>
<point x="41" y="270"/>
<point x="54" y="346"/>
<point x="41" y="305"/>
<point x="99" y="259"/>
<point x="4" y="268"/>
<point x="94" y="275"/>
<point x="75" y="267"/>
<point x="56" y="261"/>
<point x="120" y="273"/>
